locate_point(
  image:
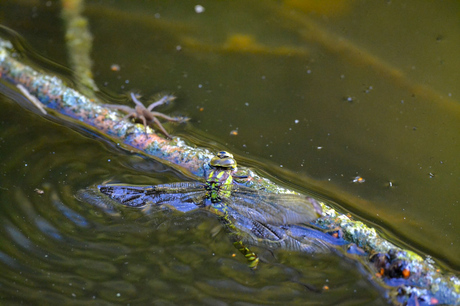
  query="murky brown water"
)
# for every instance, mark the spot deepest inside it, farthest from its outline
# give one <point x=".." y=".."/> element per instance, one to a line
<point x="316" y="98"/>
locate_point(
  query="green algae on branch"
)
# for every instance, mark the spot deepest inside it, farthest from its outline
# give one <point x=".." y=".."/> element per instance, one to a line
<point x="425" y="279"/>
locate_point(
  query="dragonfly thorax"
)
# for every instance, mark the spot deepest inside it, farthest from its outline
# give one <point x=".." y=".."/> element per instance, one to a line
<point x="218" y="185"/>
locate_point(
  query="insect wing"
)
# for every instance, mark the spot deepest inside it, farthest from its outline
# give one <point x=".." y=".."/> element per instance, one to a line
<point x="133" y="196"/>
<point x="272" y="208"/>
<point x="178" y="194"/>
<point x="181" y="196"/>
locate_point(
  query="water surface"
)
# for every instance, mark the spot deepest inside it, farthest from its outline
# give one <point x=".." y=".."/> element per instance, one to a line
<point x="317" y="97"/>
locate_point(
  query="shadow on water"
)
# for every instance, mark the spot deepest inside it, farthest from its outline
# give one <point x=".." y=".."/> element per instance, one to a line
<point x="303" y="112"/>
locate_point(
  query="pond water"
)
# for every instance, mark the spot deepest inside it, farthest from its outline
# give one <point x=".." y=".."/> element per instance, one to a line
<point x="316" y="95"/>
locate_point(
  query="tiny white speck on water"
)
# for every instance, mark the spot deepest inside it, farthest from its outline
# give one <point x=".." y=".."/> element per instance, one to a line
<point x="199" y="9"/>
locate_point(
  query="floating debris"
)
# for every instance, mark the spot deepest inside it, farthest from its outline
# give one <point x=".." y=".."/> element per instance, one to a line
<point x="358" y="179"/>
<point x="39" y="191"/>
<point x="115" y="68"/>
<point x="199" y="9"/>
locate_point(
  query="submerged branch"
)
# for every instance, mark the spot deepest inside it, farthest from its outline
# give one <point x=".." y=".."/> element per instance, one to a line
<point x="79" y="43"/>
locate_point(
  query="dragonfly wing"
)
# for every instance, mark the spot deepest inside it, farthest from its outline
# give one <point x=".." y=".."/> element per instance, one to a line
<point x="177" y="195"/>
<point x="272" y="208"/>
<point x="133" y="196"/>
<point x="291" y="237"/>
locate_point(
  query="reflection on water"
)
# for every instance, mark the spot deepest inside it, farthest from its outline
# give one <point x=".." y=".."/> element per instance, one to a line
<point x="57" y="248"/>
<point x="314" y="111"/>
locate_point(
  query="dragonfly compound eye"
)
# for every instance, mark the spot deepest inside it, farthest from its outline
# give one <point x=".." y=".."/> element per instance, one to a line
<point x="224" y="154"/>
<point x="223" y="159"/>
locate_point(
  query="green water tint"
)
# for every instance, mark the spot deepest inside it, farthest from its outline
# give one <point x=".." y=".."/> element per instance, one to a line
<point x="56" y="249"/>
<point x="339" y="137"/>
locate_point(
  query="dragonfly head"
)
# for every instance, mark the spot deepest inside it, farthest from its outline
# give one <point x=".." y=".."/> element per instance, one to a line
<point x="223" y="159"/>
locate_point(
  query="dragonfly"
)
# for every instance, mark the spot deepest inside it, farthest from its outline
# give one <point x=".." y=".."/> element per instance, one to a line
<point x="246" y="213"/>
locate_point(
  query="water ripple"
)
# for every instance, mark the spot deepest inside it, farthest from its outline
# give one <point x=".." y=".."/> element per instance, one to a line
<point x="66" y="244"/>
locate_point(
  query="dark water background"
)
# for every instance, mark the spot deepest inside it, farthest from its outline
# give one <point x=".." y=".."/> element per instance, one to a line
<point x="314" y="119"/>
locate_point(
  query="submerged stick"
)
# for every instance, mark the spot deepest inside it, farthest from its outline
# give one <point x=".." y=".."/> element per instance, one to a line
<point x="419" y="279"/>
<point x="79" y="44"/>
<point x="31" y="98"/>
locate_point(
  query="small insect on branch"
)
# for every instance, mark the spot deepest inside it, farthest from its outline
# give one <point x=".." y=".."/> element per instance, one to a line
<point x="146" y="115"/>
